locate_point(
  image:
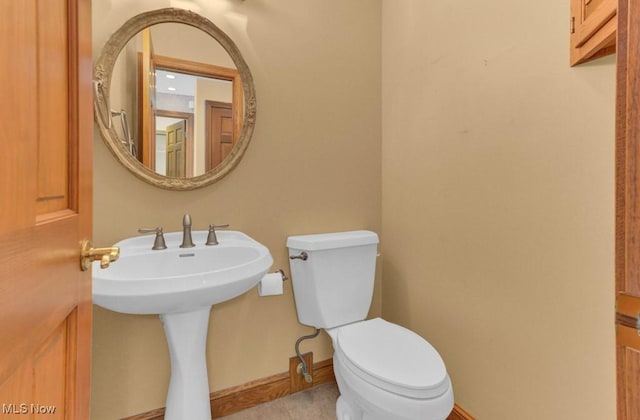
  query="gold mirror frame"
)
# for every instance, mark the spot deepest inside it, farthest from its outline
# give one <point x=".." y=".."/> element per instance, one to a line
<point x="102" y="73"/>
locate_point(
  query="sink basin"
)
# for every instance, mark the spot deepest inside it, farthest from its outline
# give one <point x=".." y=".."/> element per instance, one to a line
<point x="181" y="285"/>
<point x="172" y="280"/>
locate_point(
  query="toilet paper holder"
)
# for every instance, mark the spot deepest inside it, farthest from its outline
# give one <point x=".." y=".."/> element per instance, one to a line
<point x="281" y="271"/>
<point x="272" y="284"/>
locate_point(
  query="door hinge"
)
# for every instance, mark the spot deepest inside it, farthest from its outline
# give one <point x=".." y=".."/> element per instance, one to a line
<point x="572" y="25"/>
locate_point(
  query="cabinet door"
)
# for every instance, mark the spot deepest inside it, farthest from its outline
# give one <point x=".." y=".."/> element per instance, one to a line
<point x="593" y="29"/>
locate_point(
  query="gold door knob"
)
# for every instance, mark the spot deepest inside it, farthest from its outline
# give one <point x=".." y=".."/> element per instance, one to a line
<point x="88" y="254"/>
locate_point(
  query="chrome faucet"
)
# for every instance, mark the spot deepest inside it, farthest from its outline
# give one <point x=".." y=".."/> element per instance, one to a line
<point x="187" y="241"/>
<point x="212" y="238"/>
<point x="159" y="242"/>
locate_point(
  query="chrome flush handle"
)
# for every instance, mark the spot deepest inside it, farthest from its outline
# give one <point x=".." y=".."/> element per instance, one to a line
<point x="302" y="256"/>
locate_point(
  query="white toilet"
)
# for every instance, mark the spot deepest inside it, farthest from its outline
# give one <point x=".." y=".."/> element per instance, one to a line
<point x="384" y="371"/>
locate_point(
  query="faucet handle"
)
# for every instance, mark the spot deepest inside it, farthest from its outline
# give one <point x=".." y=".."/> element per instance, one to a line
<point x="159" y="242"/>
<point x="212" y="239"/>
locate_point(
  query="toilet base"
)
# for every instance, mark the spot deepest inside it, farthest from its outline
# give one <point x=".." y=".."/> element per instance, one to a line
<point x="346" y="411"/>
<point x="360" y="400"/>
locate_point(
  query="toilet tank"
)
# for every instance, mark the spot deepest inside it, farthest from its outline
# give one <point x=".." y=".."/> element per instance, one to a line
<point x="334" y="286"/>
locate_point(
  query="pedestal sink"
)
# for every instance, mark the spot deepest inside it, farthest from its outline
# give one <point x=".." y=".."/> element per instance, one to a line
<point x="181" y="285"/>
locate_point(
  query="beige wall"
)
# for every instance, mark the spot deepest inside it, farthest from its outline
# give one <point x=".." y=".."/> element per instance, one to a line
<point x="316" y="66"/>
<point x="498" y="204"/>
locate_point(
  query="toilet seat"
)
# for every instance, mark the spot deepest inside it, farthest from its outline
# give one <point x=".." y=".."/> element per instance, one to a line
<point x="392" y="358"/>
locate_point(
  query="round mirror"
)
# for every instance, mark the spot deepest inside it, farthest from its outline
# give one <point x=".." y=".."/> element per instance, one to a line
<point x="174" y="99"/>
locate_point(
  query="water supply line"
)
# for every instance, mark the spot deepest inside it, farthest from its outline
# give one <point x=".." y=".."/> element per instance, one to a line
<point x="304" y="371"/>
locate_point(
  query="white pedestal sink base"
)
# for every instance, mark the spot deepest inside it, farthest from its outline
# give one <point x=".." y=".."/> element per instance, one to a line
<point x="188" y="396"/>
<point x="182" y="285"/>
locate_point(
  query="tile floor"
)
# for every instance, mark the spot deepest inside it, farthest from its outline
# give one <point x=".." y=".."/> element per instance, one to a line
<point x="318" y="403"/>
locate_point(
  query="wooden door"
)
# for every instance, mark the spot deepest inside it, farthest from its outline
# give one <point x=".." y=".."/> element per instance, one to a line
<point x="188" y="148"/>
<point x="219" y="133"/>
<point x="628" y="210"/>
<point x="147" y="83"/>
<point x="175" y="149"/>
<point x="45" y="208"/>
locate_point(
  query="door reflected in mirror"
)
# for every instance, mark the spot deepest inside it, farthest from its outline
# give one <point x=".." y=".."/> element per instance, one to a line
<point x="179" y="98"/>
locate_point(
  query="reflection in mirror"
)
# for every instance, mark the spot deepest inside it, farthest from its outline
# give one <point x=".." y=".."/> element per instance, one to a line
<point x="174" y="99"/>
<point x="185" y="106"/>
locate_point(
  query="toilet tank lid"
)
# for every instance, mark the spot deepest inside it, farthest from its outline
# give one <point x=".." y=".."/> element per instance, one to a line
<point x="321" y="241"/>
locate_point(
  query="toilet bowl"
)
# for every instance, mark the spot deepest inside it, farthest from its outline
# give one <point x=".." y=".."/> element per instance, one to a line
<point x="384" y="371"/>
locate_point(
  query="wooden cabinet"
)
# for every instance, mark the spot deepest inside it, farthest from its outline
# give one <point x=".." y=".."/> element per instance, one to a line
<point x="593" y="29"/>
